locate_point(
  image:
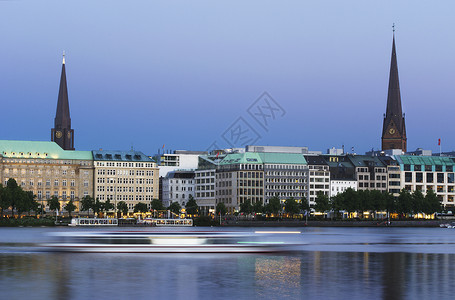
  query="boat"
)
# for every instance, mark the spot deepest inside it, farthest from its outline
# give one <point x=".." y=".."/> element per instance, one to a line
<point x="93" y="222"/>
<point x="165" y="242"/>
<point x="166" y="222"/>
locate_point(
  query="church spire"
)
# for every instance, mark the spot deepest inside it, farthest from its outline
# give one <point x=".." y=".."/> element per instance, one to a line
<point x="394" y="130"/>
<point x="62" y="133"/>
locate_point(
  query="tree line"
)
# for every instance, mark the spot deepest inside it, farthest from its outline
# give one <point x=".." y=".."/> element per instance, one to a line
<point x="376" y="201"/>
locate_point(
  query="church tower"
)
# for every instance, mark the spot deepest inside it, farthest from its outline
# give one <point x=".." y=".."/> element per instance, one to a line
<point x="394" y="129"/>
<point x="62" y="133"/>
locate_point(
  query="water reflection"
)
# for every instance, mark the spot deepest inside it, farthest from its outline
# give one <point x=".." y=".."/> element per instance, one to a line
<point x="311" y="275"/>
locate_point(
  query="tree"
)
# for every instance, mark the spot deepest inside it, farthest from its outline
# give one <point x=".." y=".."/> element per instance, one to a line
<point x="54" y="204"/>
<point x="140" y="207"/>
<point x="12" y="193"/>
<point x="175" y="208"/>
<point x="377" y="201"/>
<point x="291" y="206"/>
<point x="390" y="203"/>
<point x="4" y="203"/>
<point x="157" y="204"/>
<point x="274" y="205"/>
<point x="107" y="206"/>
<point x="418" y="202"/>
<point x="246" y="207"/>
<point x="322" y="203"/>
<point x="87" y="203"/>
<point x="432" y="203"/>
<point x="97" y="206"/>
<point x="191" y="206"/>
<point x="70" y="207"/>
<point x="258" y="207"/>
<point x="122" y="207"/>
<point x="221" y="209"/>
<point x="404" y="202"/>
<point x="351" y="200"/>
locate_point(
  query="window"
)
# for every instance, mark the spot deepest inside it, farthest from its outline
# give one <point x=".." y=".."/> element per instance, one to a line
<point x="419" y="177"/>
<point x="72" y="195"/>
<point x="408" y="177"/>
<point x="440" y="177"/>
<point x="73" y="183"/>
<point x="430" y="177"/>
<point x="450" y="177"/>
<point x="64" y="182"/>
<point x="56" y="182"/>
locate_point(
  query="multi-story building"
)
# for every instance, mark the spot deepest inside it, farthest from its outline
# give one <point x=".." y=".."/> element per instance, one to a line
<point x="239" y="178"/>
<point x="370" y="172"/>
<point x="178" y="186"/>
<point x="47" y="170"/>
<point x="179" y="160"/>
<point x="285" y="176"/>
<point x="205" y="183"/>
<point x="128" y="176"/>
<point x="339" y="186"/>
<point x="425" y="173"/>
<point x="319" y="177"/>
<point x="259" y="176"/>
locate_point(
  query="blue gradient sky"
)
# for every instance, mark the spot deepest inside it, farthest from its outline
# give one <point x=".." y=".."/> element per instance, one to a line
<point x="179" y="73"/>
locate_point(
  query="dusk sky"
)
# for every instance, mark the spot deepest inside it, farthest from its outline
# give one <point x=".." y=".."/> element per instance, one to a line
<point x="182" y="73"/>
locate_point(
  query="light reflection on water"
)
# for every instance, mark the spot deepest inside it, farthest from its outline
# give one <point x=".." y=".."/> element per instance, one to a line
<point x="320" y="272"/>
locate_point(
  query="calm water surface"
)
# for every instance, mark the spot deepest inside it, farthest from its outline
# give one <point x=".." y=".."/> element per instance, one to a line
<point x="332" y="263"/>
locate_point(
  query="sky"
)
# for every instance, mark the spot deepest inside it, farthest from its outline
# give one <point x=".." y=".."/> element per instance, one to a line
<point x="198" y="75"/>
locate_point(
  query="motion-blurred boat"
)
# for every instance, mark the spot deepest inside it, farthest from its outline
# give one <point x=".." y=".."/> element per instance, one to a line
<point x="164" y="242"/>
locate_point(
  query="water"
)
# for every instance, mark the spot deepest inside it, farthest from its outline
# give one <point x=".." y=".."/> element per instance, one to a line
<point x="333" y="263"/>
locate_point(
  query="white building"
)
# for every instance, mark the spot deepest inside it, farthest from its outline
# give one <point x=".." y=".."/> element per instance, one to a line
<point x="177" y="187"/>
<point x="340" y="186"/>
<point x="180" y="159"/>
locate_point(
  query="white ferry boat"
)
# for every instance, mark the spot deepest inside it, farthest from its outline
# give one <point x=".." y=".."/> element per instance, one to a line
<point x="93" y="222"/>
<point x="164" y="242"/>
<point x="167" y="222"/>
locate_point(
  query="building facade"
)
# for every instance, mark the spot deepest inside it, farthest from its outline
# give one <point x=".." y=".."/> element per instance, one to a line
<point x="425" y="173"/>
<point x="47" y="170"/>
<point x="178" y="186"/>
<point x="128" y="176"/>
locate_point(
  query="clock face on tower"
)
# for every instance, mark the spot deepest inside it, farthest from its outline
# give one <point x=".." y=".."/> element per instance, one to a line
<point x="392" y="130"/>
<point x="58" y="134"/>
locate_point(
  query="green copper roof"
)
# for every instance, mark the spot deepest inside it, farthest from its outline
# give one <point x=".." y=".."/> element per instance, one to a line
<point x="425" y="160"/>
<point x="39" y="149"/>
<point x="263" y="158"/>
<point x="241" y="158"/>
<point x="282" y="158"/>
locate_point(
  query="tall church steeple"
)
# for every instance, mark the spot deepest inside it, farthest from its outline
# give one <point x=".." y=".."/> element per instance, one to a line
<point x="62" y="133"/>
<point x="394" y="129"/>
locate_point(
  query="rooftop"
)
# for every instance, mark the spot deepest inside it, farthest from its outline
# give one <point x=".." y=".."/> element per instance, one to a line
<point x="40" y="149"/>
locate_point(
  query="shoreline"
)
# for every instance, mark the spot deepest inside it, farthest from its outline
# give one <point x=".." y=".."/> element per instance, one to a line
<point x="285" y="223"/>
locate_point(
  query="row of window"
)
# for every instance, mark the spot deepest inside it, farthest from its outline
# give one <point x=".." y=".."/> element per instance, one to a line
<point x="39" y="183"/>
<point x="124" y="164"/>
<point x="419" y="176"/>
<point x="102" y="180"/>
<point x="40" y="172"/>
<point x="205" y="194"/>
<point x="204" y="174"/>
<point x="64" y="195"/>
<point x="428" y="168"/>
<point x="124" y="172"/>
